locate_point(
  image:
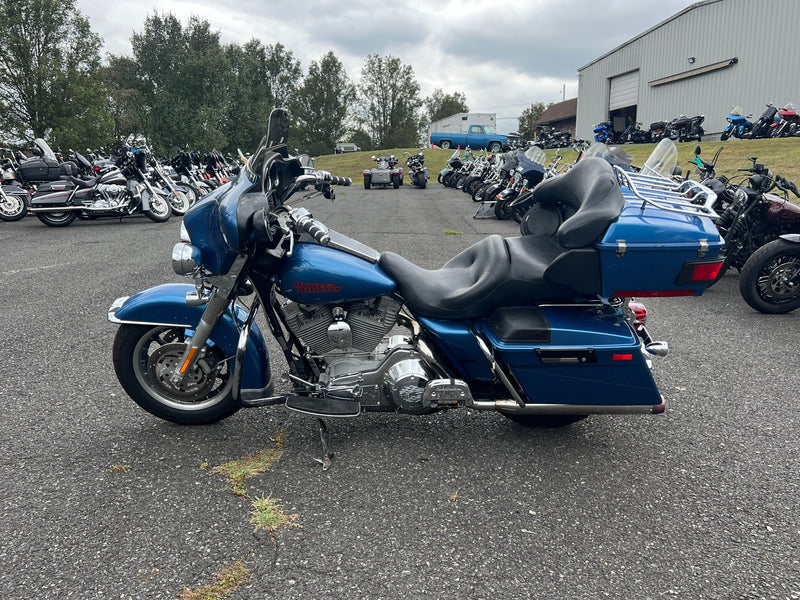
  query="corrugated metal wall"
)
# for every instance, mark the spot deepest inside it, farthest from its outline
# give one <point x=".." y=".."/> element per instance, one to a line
<point x="762" y="34"/>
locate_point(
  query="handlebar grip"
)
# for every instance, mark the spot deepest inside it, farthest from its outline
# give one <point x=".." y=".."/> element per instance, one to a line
<point x="341" y="180"/>
<point x="311" y="226"/>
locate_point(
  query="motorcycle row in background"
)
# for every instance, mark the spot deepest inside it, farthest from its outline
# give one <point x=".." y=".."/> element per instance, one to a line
<point x="130" y="180"/>
<point x="386" y="172"/>
<point x="751" y="209"/>
<point x="774" y="122"/>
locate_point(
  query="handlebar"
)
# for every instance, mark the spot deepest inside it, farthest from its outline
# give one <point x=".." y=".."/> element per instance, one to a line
<point x="310" y="225"/>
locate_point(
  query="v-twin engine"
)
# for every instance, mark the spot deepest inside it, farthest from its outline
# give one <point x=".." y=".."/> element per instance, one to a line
<point x="112" y="195"/>
<point x="357" y="358"/>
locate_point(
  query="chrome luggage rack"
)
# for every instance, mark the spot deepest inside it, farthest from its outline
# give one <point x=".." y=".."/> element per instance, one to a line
<point x="669" y="195"/>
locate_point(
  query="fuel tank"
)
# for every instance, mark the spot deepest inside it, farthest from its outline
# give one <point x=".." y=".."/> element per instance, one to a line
<point x="782" y="212"/>
<point x="320" y="275"/>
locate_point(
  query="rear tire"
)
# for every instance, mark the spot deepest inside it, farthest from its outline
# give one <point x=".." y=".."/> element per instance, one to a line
<point x="395" y="181"/>
<point x="545" y="421"/>
<point x="445" y="145"/>
<point x="366" y="182"/>
<point x="770" y="279"/>
<point x="422" y="183"/>
<point x="57" y="219"/>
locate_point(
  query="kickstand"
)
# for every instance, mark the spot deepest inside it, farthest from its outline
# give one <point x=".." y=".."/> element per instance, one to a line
<point x="327" y="455"/>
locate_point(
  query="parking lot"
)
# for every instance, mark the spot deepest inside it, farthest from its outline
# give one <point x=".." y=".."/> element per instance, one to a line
<point x="101" y="499"/>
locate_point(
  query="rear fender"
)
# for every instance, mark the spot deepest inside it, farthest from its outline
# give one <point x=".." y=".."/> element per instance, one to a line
<point x="166" y="305"/>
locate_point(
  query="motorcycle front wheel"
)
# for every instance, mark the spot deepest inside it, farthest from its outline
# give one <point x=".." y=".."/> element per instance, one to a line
<point x="178" y="201"/>
<point x="159" y="210"/>
<point x="12" y="207"/>
<point x="146" y="356"/>
<point x="770" y="279"/>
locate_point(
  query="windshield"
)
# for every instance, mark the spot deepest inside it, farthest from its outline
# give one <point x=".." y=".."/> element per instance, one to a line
<point x="663" y="159"/>
<point x="44" y="148"/>
<point x="535" y="154"/>
<point x="596" y="149"/>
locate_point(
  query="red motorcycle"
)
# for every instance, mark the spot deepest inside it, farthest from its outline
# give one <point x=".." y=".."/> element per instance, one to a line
<point x="789" y="125"/>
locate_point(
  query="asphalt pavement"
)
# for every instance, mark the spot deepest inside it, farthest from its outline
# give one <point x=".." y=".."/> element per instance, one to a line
<point x="102" y="500"/>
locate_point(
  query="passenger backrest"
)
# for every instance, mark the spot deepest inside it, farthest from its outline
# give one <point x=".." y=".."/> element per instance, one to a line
<point x="591" y="201"/>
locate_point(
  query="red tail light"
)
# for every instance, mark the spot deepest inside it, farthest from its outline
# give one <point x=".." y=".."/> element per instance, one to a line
<point x="639" y="312"/>
<point x="622" y="357"/>
<point x="707" y="272"/>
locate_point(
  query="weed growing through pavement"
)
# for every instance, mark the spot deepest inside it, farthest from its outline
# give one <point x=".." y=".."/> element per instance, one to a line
<point x="226" y="582"/>
<point x="452" y="232"/>
<point x="239" y="471"/>
<point x="118" y="468"/>
<point x="268" y="514"/>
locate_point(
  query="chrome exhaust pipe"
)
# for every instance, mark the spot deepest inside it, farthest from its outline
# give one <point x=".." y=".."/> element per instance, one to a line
<point x="657" y="348"/>
<point x="46" y="209"/>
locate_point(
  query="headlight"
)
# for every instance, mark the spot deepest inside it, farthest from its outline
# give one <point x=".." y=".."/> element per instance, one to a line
<point x="185" y="258"/>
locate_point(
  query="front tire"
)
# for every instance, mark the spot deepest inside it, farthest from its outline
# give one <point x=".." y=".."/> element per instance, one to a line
<point x="159" y="210"/>
<point x="770" y="279"/>
<point x="725" y="135"/>
<point x="145" y="356"/>
<point x="13" y="208"/>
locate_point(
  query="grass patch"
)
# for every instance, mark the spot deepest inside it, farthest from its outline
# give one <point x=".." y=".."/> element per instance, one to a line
<point x="239" y="471"/>
<point x="226" y="582"/>
<point x="118" y="468"/>
<point x="268" y="514"/>
<point x="782" y="157"/>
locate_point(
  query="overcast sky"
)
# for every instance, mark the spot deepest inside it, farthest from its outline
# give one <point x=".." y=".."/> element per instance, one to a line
<point x="502" y="55"/>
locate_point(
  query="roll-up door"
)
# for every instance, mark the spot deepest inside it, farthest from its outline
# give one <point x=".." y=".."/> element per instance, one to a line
<point x="624" y="91"/>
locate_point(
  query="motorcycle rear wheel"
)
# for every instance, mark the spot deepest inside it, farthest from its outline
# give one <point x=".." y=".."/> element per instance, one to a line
<point x="422" y="183"/>
<point x="770" y="279"/>
<point x="57" y="219"/>
<point x="145" y="357"/>
<point x="545" y="421"/>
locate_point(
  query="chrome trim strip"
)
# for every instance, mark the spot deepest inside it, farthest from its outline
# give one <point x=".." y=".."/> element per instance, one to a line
<point x="511" y="407"/>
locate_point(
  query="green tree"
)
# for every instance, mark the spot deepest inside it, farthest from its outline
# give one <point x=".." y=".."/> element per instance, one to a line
<point x="440" y="105"/>
<point x="320" y="106"/>
<point x="249" y="99"/>
<point x="50" y="60"/>
<point x="390" y="102"/>
<point x="183" y="80"/>
<point x="283" y="74"/>
<point x="527" y="120"/>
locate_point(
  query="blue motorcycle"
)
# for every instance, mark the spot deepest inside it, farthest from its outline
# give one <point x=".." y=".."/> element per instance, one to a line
<point x="739" y="126"/>
<point x="541" y="328"/>
<point x="604" y="132"/>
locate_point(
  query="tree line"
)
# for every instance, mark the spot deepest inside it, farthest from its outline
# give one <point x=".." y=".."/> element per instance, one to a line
<point x="182" y="87"/>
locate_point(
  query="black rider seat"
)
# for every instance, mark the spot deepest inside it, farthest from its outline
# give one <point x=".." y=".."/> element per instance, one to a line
<point x="530" y="269"/>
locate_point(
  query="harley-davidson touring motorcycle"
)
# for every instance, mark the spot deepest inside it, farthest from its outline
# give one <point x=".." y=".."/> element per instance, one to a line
<point x="541" y="328"/>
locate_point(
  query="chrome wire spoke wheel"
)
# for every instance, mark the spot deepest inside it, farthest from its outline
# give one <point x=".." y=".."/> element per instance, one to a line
<point x="156" y="357"/>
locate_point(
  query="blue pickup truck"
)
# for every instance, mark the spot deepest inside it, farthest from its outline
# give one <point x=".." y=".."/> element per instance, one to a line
<point x="478" y="136"/>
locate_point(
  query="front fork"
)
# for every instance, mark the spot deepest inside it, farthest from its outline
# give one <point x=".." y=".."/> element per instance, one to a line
<point x="221" y="296"/>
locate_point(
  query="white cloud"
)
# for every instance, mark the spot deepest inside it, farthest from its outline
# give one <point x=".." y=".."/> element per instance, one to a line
<point x="503" y="56"/>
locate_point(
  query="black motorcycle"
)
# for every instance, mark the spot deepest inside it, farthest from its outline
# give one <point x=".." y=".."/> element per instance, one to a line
<point x="417" y="172"/>
<point x="770" y="279"/>
<point x="755" y="216"/>
<point x="762" y="128"/>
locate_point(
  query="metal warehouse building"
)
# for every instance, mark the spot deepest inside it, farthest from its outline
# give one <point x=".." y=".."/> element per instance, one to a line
<point x="709" y="57"/>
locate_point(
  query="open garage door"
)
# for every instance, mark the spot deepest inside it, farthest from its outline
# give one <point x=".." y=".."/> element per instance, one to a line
<point x="624" y="91"/>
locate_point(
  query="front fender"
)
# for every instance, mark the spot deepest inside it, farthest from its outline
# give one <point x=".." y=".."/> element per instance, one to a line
<point x="166" y="305"/>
